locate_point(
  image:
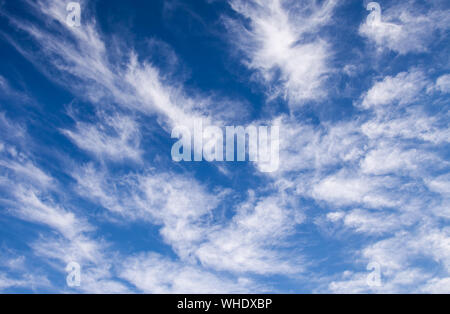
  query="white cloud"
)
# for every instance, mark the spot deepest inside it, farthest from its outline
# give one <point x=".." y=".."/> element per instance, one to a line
<point x="9" y="129"/>
<point x="97" y="262"/>
<point x="369" y="222"/>
<point x="16" y="159"/>
<point x="387" y="158"/>
<point x="152" y="273"/>
<point x="276" y="41"/>
<point x="402" y="89"/>
<point x="346" y="188"/>
<point x="31" y="208"/>
<point x="399" y="251"/>
<point x="437" y="286"/>
<point x="397" y="257"/>
<point x="75" y="245"/>
<point x="115" y="137"/>
<point x="356" y="282"/>
<point x="27" y="281"/>
<point x="412" y="125"/>
<point x="405" y="28"/>
<point x="443" y="83"/>
<point x="27" y="170"/>
<point x="246" y="244"/>
<point x="440" y="185"/>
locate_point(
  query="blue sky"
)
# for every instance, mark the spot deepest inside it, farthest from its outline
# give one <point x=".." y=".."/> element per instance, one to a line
<point x="86" y="173"/>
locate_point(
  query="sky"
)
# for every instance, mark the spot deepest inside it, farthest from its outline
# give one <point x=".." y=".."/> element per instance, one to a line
<point x="360" y="202"/>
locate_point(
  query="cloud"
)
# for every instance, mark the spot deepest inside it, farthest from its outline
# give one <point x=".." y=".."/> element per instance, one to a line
<point x="397" y="257"/>
<point x="31" y="194"/>
<point x="347" y="189"/>
<point x="413" y="125"/>
<point x="31" y="208"/>
<point x="369" y="222"/>
<point x="399" y="251"/>
<point x="114" y="137"/>
<point x="443" y="83"/>
<point x="356" y="282"/>
<point x="16" y="162"/>
<point x="402" y="89"/>
<point x="437" y="286"/>
<point x="10" y="130"/>
<point x="305" y="147"/>
<point x="275" y="45"/>
<point x="153" y="273"/>
<point x="73" y="243"/>
<point x="387" y="158"/>
<point x="96" y="260"/>
<point x="27" y="281"/>
<point x="8" y="92"/>
<point x="83" y="62"/>
<point x="406" y="28"/>
<point x="26" y="169"/>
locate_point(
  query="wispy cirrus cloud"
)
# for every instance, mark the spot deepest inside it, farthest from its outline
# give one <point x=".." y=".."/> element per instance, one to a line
<point x="114" y="137"/>
<point x="152" y="273"/>
<point x="404" y="88"/>
<point x="407" y="27"/>
<point x="191" y="220"/>
<point x="276" y="45"/>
